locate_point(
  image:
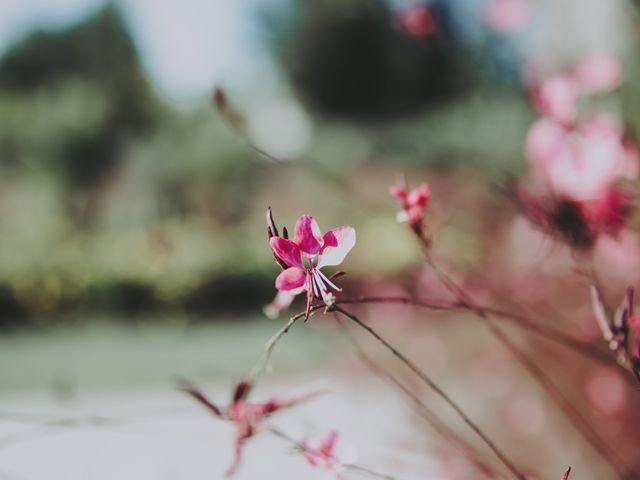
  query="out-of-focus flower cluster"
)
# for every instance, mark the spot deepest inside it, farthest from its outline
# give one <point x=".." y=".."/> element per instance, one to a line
<point x="580" y="156"/>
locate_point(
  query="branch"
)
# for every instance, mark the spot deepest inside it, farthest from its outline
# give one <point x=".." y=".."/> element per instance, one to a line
<point x="263" y="362"/>
<point x="433" y="386"/>
<point x="567" y="407"/>
<point x="421" y="408"/>
<point x="584" y="348"/>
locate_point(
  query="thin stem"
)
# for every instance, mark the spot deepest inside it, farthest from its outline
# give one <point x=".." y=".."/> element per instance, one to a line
<point x="300" y="445"/>
<point x="550" y="333"/>
<point x="263" y="362"/>
<point x="371" y="473"/>
<point x="421" y="408"/>
<point x="236" y="122"/>
<point x="566" y="406"/>
<point x="433" y="386"/>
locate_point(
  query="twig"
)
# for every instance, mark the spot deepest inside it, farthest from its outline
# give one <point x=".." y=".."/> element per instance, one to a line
<point x="263" y="362"/>
<point x="431" y="384"/>
<point x="421" y="408"/>
<point x="550" y="333"/>
<point x="566" y="406"/>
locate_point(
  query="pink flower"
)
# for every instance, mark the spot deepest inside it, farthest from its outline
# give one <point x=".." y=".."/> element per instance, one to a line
<point x="545" y="141"/>
<point x="609" y="212"/>
<point x="304" y="256"/>
<point x="322" y="454"/>
<point x="248" y="417"/>
<point x="414" y="204"/>
<point x="508" y="16"/>
<point x="581" y="163"/>
<point x="579" y="223"/>
<point x="417" y="21"/>
<point x="556" y="98"/>
<point x="566" y="474"/>
<point x="598" y="73"/>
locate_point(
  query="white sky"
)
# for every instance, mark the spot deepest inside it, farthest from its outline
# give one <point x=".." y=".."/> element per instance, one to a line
<point x="186" y="45"/>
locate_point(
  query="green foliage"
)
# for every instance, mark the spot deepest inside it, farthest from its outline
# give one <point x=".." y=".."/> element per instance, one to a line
<point x="91" y="96"/>
<point x="348" y="59"/>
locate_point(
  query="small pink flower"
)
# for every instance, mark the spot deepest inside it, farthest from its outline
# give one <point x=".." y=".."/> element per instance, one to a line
<point x="556" y="98"/>
<point x="508" y="16"/>
<point x="304" y="256"/>
<point x="322" y="454"/>
<point x="414" y="204"/>
<point x="546" y="140"/>
<point x="598" y="73"/>
<point x="248" y="417"/>
<point x="417" y="21"/>
<point x="580" y="161"/>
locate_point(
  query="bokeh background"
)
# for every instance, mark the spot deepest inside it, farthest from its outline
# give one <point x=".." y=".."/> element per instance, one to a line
<point x="133" y="243"/>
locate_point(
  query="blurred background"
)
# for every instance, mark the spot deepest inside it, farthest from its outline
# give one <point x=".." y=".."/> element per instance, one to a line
<point x="133" y="242"/>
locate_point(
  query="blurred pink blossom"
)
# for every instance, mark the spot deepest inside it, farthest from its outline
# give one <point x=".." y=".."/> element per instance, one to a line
<point x="598" y="73"/>
<point x="609" y="212"/>
<point x="414" y="203"/>
<point x="417" y="21"/>
<point x="306" y="254"/>
<point x="581" y="163"/>
<point x="556" y="98"/>
<point x="508" y="16"/>
<point x="322" y="454"/>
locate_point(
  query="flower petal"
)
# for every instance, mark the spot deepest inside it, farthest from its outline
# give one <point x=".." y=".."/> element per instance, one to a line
<point x="329" y="443"/>
<point x="337" y="244"/>
<point x="419" y="196"/>
<point x="556" y="97"/>
<point x="291" y="280"/>
<point x="599" y="73"/>
<point x="398" y="192"/>
<point x="287" y="251"/>
<point x="281" y="302"/>
<point x="307" y="235"/>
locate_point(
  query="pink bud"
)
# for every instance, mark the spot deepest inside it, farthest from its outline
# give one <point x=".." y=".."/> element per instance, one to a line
<point x="508" y="16"/>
